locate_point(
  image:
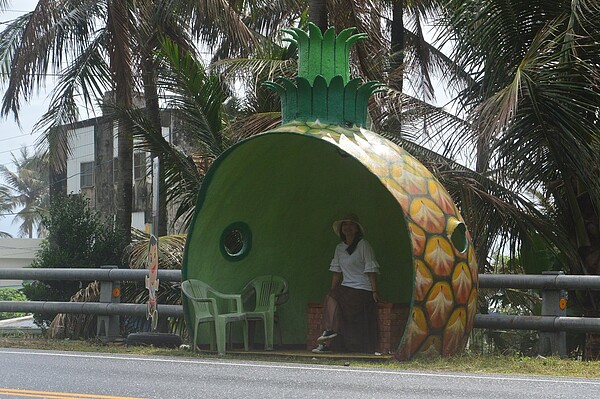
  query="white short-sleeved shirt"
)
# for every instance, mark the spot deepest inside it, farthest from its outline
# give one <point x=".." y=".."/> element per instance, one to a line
<point x="353" y="267"/>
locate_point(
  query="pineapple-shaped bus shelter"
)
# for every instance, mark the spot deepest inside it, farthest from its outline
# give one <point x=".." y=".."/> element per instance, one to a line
<point x="267" y="204"/>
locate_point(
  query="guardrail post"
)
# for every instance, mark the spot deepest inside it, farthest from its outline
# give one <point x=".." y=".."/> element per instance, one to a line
<point x="554" y="303"/>
<point x="108" y="328"/>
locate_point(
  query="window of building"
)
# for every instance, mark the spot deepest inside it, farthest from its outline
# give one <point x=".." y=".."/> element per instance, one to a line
<point x="115" y="165"/>
<point x="86" y="174"/>
<point x="139" y="165"/>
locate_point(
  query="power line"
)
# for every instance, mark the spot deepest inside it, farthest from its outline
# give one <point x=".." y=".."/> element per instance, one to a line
<point x="69" y="159"/>
<point x="69" y="177"/>
<point x="11" y="138"/>
<point x="33" y="145"/>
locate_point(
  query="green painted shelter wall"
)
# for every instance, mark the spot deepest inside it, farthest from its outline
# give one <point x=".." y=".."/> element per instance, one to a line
<point x="289" y="188"/>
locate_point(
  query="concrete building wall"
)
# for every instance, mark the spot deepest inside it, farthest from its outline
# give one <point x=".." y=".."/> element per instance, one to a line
<point x="95" y="140"/>
<point x="17" y="253"/>
<point x="82" y="151"/>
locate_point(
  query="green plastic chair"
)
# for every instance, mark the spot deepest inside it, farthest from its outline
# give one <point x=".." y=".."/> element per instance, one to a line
<point x="261" y="296"/>
<point x="203" y="299"/>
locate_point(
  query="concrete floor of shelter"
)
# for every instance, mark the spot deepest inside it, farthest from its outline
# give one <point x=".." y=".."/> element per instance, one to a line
<point x="303" y="353"/>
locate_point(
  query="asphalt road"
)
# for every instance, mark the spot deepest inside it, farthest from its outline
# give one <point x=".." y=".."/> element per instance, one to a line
<point x="49" y="374"/>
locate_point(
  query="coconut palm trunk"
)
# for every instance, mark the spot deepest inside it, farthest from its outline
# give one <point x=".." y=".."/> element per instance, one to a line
<point x="397" y="45"/>
<point x="153" y="114"/>
<point x="317" y="13"/>
<point x="120" y="64"/>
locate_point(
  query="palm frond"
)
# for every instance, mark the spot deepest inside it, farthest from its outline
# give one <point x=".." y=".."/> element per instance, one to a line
<point x="37" y="42"/>
<point x="6" y="203"/>
<point x="546" y="117"/>
<point x="254" y="124"/>
<point x="509" y="301"/>
<point x="430" y="126"/>
<point x="170" y="252"/>
<point x="182" y="176"/>
<point x="198" y="96"/>
<point x="87" y="78"/>
<point x="27" y="189"/>
<point x="77" y="325"/>
<point x="214" y="21"/>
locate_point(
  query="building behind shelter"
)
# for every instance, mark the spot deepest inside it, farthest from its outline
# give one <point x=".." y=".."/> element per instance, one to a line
<point x="91" y="167"/>
<point x="17" y="253"/>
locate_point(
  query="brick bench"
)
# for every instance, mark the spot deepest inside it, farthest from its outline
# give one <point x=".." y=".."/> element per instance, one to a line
<point x="391" y="321"/>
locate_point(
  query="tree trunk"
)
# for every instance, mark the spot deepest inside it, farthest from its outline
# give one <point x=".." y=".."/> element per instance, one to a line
<point x="396" y="76"/>
<point x="483" y="154"/>
<point x="104" y="179"/>
<point x="153" y="113"/>
<point x="124" y="197"/>
<point x="120" y="63"/>
<point x="589" y="251"/>
<point x="317" y="13"/>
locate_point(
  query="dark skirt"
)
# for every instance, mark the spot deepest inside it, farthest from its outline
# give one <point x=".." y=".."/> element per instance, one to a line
<point x="357" y="312"/>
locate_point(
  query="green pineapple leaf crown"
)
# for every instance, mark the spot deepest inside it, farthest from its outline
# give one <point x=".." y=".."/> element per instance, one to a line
<point x="323" y="89"/>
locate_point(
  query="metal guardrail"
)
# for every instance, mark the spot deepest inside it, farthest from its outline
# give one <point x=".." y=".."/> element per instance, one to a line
<point x="553" y="322"/>
<point x="108" y="309"/>
<point x="553" y="288"/>
<point x="105" y="273"/>
<point x="97" y="308"/>
<point x="536" y="281"/>
<point x="539" y="323"/>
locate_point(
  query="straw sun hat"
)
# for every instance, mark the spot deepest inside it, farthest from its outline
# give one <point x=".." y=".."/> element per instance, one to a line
<point x="351" y="217"/>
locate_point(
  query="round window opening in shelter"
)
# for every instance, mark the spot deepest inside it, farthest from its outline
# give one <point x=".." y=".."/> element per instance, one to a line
<point x="236" y="241"/>
<point x="458" y="234"/>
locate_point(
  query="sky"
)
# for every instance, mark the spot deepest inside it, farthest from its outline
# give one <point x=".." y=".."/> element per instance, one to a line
<point x="13" y="136"/>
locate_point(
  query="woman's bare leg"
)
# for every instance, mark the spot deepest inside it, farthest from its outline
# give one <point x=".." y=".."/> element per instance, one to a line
<point x="331" y="314"/>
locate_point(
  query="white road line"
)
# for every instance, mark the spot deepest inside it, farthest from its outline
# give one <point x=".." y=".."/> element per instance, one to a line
<point x="340" y="369"/>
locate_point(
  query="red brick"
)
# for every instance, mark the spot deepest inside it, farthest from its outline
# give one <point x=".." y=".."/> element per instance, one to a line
<point x="391" y="321"/>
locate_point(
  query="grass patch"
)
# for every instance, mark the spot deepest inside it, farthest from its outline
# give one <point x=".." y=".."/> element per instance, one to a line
<point x="468" y="363"/>
<point x="498" y="364"/>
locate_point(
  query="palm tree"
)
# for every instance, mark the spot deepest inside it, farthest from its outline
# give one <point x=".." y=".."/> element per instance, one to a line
<point x="93" y="47"/>
<point x="236" y="30"/>
<point x="28" y="189"/>
<point x="197" y="98"/>
<point x="73" y="39"/>
<point x="119" y="50"/>
<point x="534" y="104"/>
<point x="415" y="125"/>
<point x="533" y="109"/>
<point x="6" y="206"/>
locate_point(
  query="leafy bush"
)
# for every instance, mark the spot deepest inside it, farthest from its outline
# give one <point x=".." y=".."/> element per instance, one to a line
<point x="11" y="294"/>
<point x="78" y="237"/>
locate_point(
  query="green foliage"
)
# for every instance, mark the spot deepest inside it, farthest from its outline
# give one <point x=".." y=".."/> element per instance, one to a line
<point x="26" y="190"/>
<point x="537" y="256"/>
<point x="77" y="238"/>
<point x="11" y="294"/>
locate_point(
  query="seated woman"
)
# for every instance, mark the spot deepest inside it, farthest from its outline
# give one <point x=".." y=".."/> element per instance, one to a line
<point x="349" y="311"/>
